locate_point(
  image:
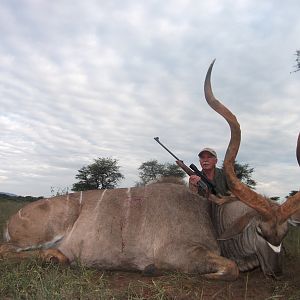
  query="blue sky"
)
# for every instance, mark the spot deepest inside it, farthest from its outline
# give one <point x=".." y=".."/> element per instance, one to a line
<point x="87" y="79"/>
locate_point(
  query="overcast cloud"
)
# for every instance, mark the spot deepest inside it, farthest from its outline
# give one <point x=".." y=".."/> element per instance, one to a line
<point x="86" y="79"/>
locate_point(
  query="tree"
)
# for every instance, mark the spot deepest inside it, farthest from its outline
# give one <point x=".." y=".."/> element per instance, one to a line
<point x="275" y="198"/>
<point x="244" y="174"/>
<point x="59" y="191"/>
<point x="173" y="170"/>
<point x="102" y="174"/>
<point x="150" y="170"/>
<point x="297" y="66"/>
<point x="291" y="193"/>
<point x="153" y="170"/>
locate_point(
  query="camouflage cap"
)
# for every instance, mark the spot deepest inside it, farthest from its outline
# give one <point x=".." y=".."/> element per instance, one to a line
<point x="210" y="150"/>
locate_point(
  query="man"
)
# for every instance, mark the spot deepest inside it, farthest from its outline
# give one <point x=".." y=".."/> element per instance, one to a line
<point x="208" y="161"/>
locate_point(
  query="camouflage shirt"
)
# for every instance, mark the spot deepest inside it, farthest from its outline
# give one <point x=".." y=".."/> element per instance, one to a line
<point x="220" y="182"/>
<point x="221" y="185"/>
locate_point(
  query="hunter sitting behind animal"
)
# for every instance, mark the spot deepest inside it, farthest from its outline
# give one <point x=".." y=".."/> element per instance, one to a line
<point x="208" y="161"/>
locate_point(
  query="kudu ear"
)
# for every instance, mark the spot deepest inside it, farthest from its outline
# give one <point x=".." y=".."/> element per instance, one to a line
<point x="238" y="226"/>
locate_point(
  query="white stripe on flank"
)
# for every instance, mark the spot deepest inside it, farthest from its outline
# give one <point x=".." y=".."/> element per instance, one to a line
<point x="125" y="218"/>
<point x="128" y="192"/>
<point x="80" y="199"/>
<point x="20" y="215"/>
<point x="276" y="249"/>
<point x="69" y="234"/>
<point x="6" y="233"/>
<point x="127" y="207"/>
<point x="101" y="198"/>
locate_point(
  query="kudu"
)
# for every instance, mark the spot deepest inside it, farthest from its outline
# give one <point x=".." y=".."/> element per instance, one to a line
<point x="162" y="226"/>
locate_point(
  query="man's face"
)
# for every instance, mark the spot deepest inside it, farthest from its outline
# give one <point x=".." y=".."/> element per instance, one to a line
<point x="208" y="161"/>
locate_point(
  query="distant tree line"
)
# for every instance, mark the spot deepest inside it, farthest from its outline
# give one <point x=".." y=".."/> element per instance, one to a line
<point x="4" y="196"/>
<point x="104" y="173"/>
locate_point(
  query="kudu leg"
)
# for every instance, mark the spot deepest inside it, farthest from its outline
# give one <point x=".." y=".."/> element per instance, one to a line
<point x="221" y="268"/>
<point x="9" y="251"/>
<point x="211" y="265"/>
<point x="53" y="255"/>
<point x="196" y="260"/>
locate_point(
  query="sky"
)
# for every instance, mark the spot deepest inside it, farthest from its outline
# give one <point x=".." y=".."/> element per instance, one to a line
<point x="81" y="80"/>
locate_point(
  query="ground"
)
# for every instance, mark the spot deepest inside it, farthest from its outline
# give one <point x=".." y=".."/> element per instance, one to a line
<point x="251" y="285"/>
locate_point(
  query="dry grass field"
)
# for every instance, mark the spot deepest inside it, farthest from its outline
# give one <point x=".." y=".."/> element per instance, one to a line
<point x="36" y="280"/>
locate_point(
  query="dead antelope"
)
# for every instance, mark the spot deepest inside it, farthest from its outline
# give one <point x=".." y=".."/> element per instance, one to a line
<point x="162" y="226"/>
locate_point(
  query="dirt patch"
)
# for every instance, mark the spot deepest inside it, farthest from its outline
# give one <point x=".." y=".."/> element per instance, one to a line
<point x="251" y="285"/>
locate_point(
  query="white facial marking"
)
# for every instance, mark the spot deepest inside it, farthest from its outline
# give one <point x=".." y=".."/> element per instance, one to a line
<point x="276" y="249"/>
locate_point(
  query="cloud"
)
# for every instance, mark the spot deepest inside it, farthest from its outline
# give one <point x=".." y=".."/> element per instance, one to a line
<point x="92" y="79"/>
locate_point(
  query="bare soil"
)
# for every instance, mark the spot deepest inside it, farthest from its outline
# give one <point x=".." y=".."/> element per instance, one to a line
<point x="250" y="285"/>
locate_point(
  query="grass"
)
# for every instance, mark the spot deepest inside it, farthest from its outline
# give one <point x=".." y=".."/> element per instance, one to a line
<point x="7" y="208"/>
<point x="34" y="279"/>
<point x="292" y="241"/>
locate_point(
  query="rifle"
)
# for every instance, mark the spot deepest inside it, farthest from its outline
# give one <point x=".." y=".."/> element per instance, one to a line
<point x="205" y="184"/>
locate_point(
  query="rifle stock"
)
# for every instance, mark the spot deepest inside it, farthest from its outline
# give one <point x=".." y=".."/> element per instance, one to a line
<point x="192" y="170"/>
<point x="185" y="168"/>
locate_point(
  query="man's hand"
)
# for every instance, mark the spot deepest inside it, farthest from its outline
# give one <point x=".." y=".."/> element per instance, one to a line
<point x="194" y="183"/>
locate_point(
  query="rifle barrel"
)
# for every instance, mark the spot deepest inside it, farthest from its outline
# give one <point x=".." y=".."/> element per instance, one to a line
<point x="157" y="139"/>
